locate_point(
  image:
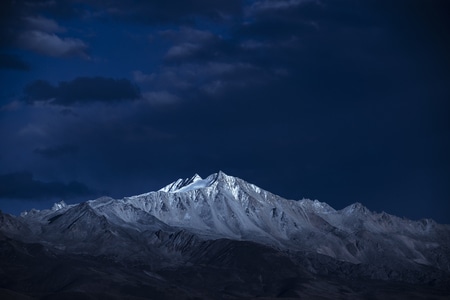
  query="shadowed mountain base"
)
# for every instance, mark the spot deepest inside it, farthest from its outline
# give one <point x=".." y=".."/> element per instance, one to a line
<point x="226" y="270"/>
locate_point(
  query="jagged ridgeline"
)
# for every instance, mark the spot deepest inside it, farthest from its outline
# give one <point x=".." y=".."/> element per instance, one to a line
<point x="219" y="238"/>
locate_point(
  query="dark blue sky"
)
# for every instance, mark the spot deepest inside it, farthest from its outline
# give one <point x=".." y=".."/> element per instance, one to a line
<point x="340" y="101"/>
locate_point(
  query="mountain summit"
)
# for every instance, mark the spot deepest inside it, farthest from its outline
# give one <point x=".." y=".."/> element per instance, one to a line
<point x="225" y="223"/>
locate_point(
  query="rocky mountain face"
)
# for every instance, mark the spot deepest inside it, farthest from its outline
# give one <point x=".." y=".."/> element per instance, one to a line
<point x="219" y="238"/>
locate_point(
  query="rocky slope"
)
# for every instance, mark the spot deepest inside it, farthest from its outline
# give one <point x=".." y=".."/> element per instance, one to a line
<point x="219" y="237"/>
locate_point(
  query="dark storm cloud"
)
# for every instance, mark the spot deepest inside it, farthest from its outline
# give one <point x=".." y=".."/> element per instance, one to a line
<point x="202" y="62"/>
<point x="274" y="43"/>
<point x="13" y="62"/>
<point x="56" y="151"/>
<point x="23" y="26"/>
<point x="82" y="90"/>
<point x="22" y="185"/>
<point x="283" y="54"/>
<point x="40" y="90"/>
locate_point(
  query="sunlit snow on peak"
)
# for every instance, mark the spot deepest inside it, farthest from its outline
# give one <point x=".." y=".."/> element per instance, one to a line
<point x="59" y="205"/>
<point x="195" y="182"/>
<point x="199" y="184"/>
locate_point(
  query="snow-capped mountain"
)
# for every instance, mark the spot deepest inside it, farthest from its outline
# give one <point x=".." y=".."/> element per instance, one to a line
<point x="229" y="207"/>
<point x="190" y="219"/>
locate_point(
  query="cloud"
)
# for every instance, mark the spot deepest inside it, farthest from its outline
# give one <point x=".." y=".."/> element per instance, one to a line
<point x="43" y="24"/>
<point x="22" y="185"/>
<point x="169" y="11"/>
<point x="40" y="36"/>
<point x="141" y="77"/>
<point x="137" y="11"/>
<point x="272" y="21"/>
<point x="52" y="45"/>
<point x="190" y="79"/>
<point x="67" y="112"/>
<point x="40" y="90"/>
<point x="160" y="98"/>
<point x="13" y="62"/>
<point x="200" y="61"/>
<point x="81" y="90"/>
<point x="182" y="51"/>
<point x="11" y="106"/>
<point x="56" y="151"/>
<point x="192" y="44"/>
<point x="22" y="25"/>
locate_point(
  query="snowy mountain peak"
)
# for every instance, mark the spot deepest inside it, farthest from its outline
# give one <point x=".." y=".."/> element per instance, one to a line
<point x="221" y="176"/>
<point x="59" y="205"/>
<point x="187" y="184"/>
<point x="196" y="177"/>
<point x="196" y="182"/>
<point x="180" y="183"/>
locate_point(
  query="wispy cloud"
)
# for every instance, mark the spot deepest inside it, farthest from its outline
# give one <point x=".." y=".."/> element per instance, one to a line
<point x="52" y="45"/>
<point x="43" y="24"/>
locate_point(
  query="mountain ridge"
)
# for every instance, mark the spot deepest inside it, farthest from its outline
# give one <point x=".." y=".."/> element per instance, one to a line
<point x="192" y="222"/>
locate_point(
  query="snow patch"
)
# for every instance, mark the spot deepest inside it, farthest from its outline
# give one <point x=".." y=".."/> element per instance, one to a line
<point x="179" y="184"/>
<point x="59" y="205"/>
<point x="199" y="184"/>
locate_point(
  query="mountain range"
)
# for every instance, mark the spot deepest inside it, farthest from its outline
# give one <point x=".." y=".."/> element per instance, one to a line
<point x="220" y="238"/>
